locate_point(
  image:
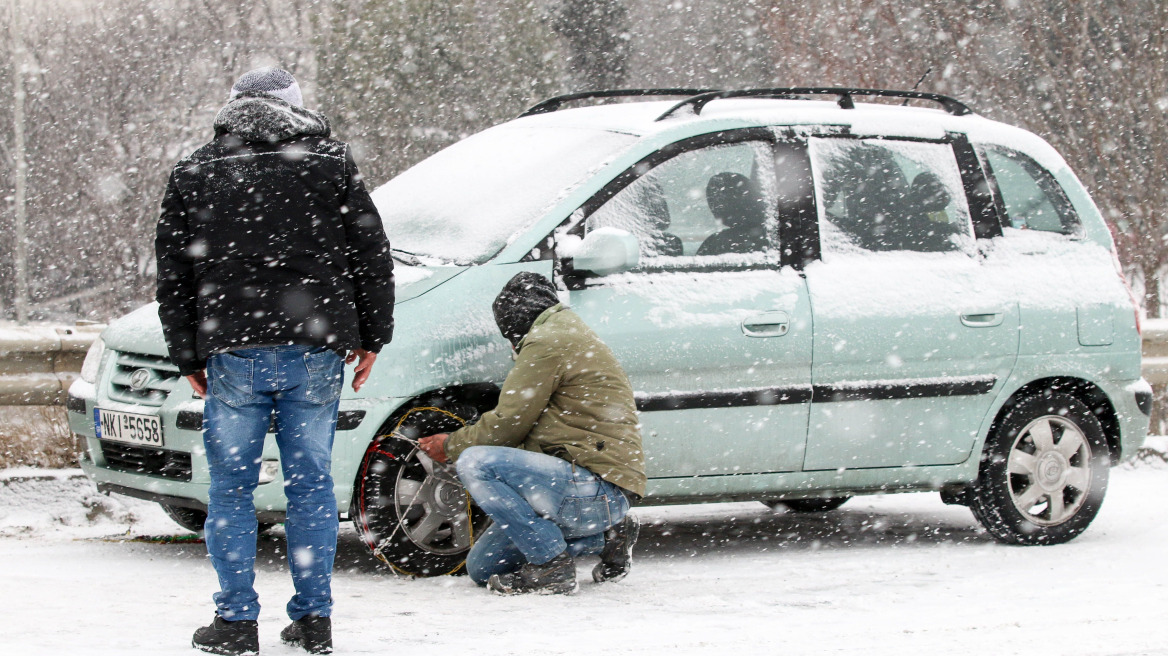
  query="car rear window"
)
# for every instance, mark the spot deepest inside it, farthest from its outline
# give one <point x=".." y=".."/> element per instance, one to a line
<point x="887" y="195"/>
<point x="1030" y="196"/>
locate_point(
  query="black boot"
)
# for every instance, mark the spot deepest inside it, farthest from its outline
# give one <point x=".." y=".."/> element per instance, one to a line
<point x="314" y="634"/>
<point x="556" y="576"/>
<point x="229" y="638"/>
<point x="617" y="557"/>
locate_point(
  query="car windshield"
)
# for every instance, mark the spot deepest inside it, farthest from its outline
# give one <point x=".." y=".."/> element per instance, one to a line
<point x="463" y="204"/>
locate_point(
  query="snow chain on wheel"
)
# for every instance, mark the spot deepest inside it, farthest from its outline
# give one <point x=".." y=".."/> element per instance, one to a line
<point x="413" y="513"/>
<point x="1043" y="472"/>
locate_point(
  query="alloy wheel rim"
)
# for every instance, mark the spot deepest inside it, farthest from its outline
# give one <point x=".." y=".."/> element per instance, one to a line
<point x="1049" y="470"/>
<point x="432" y="506"/>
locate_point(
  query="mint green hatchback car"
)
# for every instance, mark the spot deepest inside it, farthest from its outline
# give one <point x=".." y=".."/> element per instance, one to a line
<point x="814" y="299"/>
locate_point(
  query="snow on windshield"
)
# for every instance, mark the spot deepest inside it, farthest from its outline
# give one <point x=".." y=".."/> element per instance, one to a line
<point x="462" y="204"/>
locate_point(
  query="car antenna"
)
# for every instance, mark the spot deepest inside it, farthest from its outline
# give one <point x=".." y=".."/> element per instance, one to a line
<point x="926" y="74"/>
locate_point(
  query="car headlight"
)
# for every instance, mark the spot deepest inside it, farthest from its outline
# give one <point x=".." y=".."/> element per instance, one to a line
<point x="92" y="361"/>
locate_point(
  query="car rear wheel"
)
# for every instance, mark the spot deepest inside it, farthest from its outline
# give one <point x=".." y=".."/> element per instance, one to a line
<point x="411" y="511"/>
<point x="1043" y="472"/>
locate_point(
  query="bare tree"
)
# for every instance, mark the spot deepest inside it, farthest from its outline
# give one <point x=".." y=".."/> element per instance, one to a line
<point x="597" y="35"/>
<point x="715" y="43"/>
<point x="118" y="91"/>
<point x="117" y="94"/>
<point x="404" y="78"/>
<point x="1088" y="75"/>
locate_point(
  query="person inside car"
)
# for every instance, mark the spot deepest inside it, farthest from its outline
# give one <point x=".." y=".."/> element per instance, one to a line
<point x="735" y="201"/>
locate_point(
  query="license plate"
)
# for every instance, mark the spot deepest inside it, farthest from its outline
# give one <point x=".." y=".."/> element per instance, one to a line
<point x="127" y="427"/>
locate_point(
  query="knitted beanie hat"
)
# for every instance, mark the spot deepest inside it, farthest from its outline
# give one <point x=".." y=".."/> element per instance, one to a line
<point x="272" y="81"/>
<point x="522" y="300"/>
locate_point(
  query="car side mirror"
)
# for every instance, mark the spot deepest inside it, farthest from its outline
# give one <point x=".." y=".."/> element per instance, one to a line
<point x="605" y="251"/>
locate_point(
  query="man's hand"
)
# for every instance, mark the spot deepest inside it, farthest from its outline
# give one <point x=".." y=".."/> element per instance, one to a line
<point x="199" y="383"/>
<point x="435" y="446"/>
<point x="364" y="366"/>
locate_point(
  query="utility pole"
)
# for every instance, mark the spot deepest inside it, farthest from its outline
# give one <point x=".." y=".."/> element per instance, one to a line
<point x="20" y="255"/>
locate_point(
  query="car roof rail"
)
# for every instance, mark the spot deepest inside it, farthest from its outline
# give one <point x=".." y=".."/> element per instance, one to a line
<point x="553" y="104"/>
<point x="698" y="101"/>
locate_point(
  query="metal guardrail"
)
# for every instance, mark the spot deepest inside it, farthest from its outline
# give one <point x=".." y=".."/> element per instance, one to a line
<point x="38" y="363"/>
<point x="1155" y="363"/>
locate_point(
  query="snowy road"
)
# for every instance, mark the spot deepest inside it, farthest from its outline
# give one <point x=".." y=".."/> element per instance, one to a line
<point x="900" y="574"/>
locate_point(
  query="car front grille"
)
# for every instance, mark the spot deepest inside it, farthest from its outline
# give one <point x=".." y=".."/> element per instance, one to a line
<point x="175" y="465"/>
<point x="142" y="379"/>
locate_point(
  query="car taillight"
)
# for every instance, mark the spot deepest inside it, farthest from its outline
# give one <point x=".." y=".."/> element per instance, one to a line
<point x="1130" y="294"/>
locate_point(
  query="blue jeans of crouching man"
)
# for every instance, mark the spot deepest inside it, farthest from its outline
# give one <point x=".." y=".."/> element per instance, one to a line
<point x="540" y="504"/>
<point x="302" y="386"/>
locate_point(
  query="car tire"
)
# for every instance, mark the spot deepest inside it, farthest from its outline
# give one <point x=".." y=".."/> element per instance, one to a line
<point x="1043" y="473"/>
<point x="413" y="513"/>
<point x="192" y="519"/>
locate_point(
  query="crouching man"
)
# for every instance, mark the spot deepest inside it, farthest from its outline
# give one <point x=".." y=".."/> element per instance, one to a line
<point x="556" y="462"/>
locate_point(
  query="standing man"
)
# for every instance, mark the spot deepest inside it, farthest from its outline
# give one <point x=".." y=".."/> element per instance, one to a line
<point x="556" y="462"/>
<point x="273" y="271"/>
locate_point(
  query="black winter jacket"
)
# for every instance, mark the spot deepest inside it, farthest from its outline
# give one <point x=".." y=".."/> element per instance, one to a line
<point x="267" y="237"/>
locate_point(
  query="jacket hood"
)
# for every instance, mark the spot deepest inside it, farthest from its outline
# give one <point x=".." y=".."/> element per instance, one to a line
<point x="523" y="299"/>
<point x="256" y="116"/>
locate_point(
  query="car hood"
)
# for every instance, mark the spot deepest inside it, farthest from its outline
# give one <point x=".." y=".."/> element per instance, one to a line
<point x="413" y="281"/>
<point x="141" y="331"/>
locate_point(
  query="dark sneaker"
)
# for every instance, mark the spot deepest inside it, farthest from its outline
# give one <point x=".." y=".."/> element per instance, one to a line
<point x="617" y="557"/>
<point x="556" y="576"/>
<point x="313" y="634"/>
<point x="230" y="638"/>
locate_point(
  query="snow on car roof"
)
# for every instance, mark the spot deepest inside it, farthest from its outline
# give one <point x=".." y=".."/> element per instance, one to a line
<point x="867" y="119"/>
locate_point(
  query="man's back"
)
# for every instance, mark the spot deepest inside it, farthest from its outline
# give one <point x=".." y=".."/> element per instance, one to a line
<point x="268" y="237"/>
<point x="273" y="269"/>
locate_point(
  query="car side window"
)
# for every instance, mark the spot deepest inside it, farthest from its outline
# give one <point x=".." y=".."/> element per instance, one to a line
<point x="1030" y="196"/>
<point x="888" y="195"/>
<point x="710" y="205"/>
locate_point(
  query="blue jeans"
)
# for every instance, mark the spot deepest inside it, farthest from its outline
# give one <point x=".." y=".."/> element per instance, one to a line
<point x="541" y="506"/>
<point x="302" y="385"/>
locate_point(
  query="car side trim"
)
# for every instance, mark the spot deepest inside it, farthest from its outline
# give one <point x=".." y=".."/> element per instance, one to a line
<point x="727" y="399"/>
<point x="904" y="390"/>
<point x="763" y="396"/>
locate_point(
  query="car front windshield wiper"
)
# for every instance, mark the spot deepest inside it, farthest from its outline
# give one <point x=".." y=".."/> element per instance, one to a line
<point x="405" y="257"/>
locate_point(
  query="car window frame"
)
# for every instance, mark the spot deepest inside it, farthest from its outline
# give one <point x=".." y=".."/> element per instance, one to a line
<point x="1046" y="181"/>
<point x="790" y="230"/>
<point x="984" y="214"/>
<point x="983" y="210"/>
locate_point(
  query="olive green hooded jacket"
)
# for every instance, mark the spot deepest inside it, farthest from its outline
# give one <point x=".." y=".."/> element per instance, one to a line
<point x="567" y="397"/>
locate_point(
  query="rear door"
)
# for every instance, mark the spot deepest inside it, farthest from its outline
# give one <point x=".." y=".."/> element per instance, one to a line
<point x="1076" y="314"/>
<point x="910" y="338"/>
<point x="712" y="328"/>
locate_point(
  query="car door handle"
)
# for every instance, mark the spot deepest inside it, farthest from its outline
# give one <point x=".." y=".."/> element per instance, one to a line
<point x="767" y="324"/>
<point x="983" y="319"/>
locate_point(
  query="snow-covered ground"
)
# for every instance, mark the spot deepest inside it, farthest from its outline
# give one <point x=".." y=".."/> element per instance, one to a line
<point x="898" y="574"/>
